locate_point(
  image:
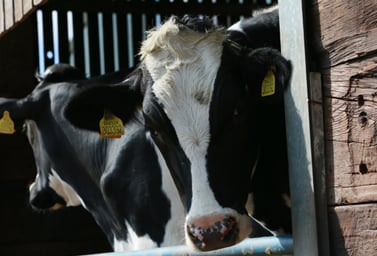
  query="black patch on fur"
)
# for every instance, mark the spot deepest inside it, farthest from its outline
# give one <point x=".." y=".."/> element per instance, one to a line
<point x="196" y="23"/>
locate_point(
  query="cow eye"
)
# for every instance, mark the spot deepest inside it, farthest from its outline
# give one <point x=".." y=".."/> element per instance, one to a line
<point x="238" y="111"/>
<point x="24" y="128"/>
<point x="154" y="133"/>
<point x="240" y="108"/>
<point x="29" y="131"/>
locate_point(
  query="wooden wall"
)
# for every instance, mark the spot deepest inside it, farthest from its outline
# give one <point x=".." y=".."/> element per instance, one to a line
<point x="343" y="41"/>
<point x="12" y="12"/>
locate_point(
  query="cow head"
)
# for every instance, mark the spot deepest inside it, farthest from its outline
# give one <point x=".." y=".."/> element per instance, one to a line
<point x="199" y="93"/>
<point x="48" y="191"/>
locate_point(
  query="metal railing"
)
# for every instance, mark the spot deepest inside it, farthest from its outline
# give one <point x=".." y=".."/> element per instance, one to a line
<point x="282" y="245"/>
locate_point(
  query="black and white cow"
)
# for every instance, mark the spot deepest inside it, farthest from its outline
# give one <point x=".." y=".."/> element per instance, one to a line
<point x="124" y="183"/>
<point x="121" y="182"/>
<point x="200" y="97"/>
<point x="271" y="205"/>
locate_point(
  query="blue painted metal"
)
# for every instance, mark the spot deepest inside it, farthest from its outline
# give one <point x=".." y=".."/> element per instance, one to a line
<point x="280" y="245"/>
<point x="304" y="223"/>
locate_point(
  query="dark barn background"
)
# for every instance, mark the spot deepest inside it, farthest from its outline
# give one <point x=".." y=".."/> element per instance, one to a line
<point x="97" y="36"/>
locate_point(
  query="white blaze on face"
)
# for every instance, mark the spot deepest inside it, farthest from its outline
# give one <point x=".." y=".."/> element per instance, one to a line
<point x="183" y="65"/>
<point x="64" y="190"/>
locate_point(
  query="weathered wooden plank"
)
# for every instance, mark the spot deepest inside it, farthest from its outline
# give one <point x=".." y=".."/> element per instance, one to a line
<point x="27" y="6"/>
<point x="9" y="15"/>
<point x="2" y="16"/>
<point x="354" y="230"/>
<point x="37" y="2"/>
<point x="351" y="128"/>
<point x="12" y="12"/>
<point x="343" y="43"/>
<point x="319" y="162"/>
<point x="348" y="28"/>
<point x="18" y="10"/>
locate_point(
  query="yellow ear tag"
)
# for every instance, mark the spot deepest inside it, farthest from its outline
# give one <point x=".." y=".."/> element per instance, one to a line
<point x="268" y="84"/>
<point x="110" y="126"/>
<point x="6" y="124"/>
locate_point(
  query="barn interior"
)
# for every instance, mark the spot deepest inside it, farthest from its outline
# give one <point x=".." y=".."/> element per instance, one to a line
<point x="97" y="36"/>
<point x="100" y="36"/>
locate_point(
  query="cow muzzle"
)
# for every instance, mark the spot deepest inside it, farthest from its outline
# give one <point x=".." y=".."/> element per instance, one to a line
<point x="213" y="232"/>
<point x="45" y="199"/>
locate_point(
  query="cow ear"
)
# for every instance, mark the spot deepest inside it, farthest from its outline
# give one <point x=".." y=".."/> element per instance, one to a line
<point x="13" y="113"/>
<point x="258" y="31"/>
<point x="267" y="74"/>
<point x="86" y="108"/>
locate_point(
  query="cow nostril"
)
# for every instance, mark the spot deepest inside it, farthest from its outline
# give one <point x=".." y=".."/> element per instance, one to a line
<point x="45" y="199"/>
<point x="41" y="202"/>
<point x="231" y="232"/>
<point x="222" y="234"/>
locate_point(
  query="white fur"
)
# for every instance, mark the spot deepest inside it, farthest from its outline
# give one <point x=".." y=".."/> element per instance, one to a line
<point x="134" y="242"/>
<point x="184" y="65"/>
<point x="64" y="190"/>
<point x="236" y="27"/>
<point x="139" y="242"/>
<point x="120" y="245"/>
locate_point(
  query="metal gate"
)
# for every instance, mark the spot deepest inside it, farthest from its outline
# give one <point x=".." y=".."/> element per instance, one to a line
<point x="100" y="36"/>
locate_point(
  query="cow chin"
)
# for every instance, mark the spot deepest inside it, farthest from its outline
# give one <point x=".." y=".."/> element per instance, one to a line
<point x="217" y="231"/>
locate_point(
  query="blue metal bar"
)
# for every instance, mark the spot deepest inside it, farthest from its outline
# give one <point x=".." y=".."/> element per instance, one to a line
<point x="281" y="245"/>
<point x="298" y="130"/>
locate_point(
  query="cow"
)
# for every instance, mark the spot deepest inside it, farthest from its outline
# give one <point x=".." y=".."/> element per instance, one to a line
<point x="131" y="199"/>
<point x="263" y="31"/>
<point x="203" y="98"/>
<point x="124" y="183"/>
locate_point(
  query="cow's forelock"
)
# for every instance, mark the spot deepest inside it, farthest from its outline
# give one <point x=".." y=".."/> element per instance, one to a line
<point x="183" y="65"/>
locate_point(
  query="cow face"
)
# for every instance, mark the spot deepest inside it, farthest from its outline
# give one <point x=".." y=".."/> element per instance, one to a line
<point x="200" y="95"/>
<point x="48" y="191"/>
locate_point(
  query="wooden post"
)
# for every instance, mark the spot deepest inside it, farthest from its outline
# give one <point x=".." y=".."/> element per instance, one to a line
<point x="344" y="48"/>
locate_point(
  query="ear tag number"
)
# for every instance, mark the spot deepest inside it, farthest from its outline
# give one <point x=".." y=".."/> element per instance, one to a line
<point x="6" y="124"/>
<point x="110" y="126"/>
<point x="268" y="84"/>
